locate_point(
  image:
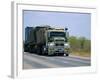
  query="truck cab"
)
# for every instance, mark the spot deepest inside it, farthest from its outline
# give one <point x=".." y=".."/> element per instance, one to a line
<point x="57" y="42"/>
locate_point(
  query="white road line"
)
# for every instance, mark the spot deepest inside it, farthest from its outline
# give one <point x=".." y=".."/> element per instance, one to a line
<point x="75" y="60"/>
<point x="44" y="60"/>
<point x="64" y="61"/>
<point x="55" y="59"/>
<point x="80" y="57"/>
<point x="41" y="61"/>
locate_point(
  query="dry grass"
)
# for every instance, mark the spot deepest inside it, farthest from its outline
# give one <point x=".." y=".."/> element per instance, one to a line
<point x="82" y="54"/>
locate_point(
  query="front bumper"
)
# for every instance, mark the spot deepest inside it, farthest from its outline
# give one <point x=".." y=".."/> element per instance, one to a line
<point x="58" y="51"/>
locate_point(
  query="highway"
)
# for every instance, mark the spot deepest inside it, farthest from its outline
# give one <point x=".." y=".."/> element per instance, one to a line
<point x="34" y="61"/>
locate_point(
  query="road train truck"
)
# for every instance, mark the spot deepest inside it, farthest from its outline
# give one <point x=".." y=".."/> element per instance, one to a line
<point x="46" y="40"/>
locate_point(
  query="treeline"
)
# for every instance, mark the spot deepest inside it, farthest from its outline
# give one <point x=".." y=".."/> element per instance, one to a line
<point x="80" y="44"/>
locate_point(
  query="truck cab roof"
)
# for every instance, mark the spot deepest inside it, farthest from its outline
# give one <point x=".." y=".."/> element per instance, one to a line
<point x="56" y="30"/>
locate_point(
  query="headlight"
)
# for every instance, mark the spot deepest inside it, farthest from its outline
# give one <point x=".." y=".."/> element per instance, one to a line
<point x="67" y="45"/>
<point x="51" y="44"/>
<point x="44" y="49"/>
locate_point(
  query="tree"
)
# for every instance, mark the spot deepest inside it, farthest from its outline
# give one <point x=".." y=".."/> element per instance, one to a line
<point x="73" y="42"/>
<point x="82" y="42"/>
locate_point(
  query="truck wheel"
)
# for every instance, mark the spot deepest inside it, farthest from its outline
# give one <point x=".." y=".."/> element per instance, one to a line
<point x="66" y="54"/>
<point x="44" y="51"/>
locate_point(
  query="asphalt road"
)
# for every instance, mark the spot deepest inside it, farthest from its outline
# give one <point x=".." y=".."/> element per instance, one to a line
<point x="34" y="61"/>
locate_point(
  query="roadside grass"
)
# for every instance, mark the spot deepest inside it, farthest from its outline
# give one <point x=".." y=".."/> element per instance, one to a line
<point x="81" y="53"/>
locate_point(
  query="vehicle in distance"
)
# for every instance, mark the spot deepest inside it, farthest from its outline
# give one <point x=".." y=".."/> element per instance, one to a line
<point x="45" y="40"/>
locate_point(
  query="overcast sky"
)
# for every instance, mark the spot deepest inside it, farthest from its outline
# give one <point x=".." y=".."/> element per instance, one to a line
<point x="79" y="24"/>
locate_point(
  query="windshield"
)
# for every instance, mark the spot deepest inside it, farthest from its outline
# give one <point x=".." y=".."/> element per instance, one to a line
<point x="60" y="40"/>
<point x="57" y="34"/>
<point x="51" y="35"/>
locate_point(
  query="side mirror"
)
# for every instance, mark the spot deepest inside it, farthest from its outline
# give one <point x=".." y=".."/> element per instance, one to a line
<point x="67" y="34"/>
<point x="66" y="29"/>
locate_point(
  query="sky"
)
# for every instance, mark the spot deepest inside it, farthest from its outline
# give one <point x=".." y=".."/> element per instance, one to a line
<point x="78" y="24"/>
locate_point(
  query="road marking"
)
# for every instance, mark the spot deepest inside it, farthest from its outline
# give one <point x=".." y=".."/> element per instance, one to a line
<point x="80" y="60"/>
<point x="64" y="61"/>
<point x="56" y="61"/>
<point x="34" y="64"/>
<point x="74" y="61"/>
<point x="41" y="61"/>
<point x="80" y="57"/>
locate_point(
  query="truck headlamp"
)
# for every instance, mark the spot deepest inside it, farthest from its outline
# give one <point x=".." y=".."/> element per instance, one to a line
<point x="44" y="49"/>
<point x="66" y="45"/>
<point x="51" y="44"/>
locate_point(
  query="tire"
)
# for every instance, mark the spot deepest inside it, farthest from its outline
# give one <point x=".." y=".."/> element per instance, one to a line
<point x="44" y="52"/>
<point x="66" y="54"/>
